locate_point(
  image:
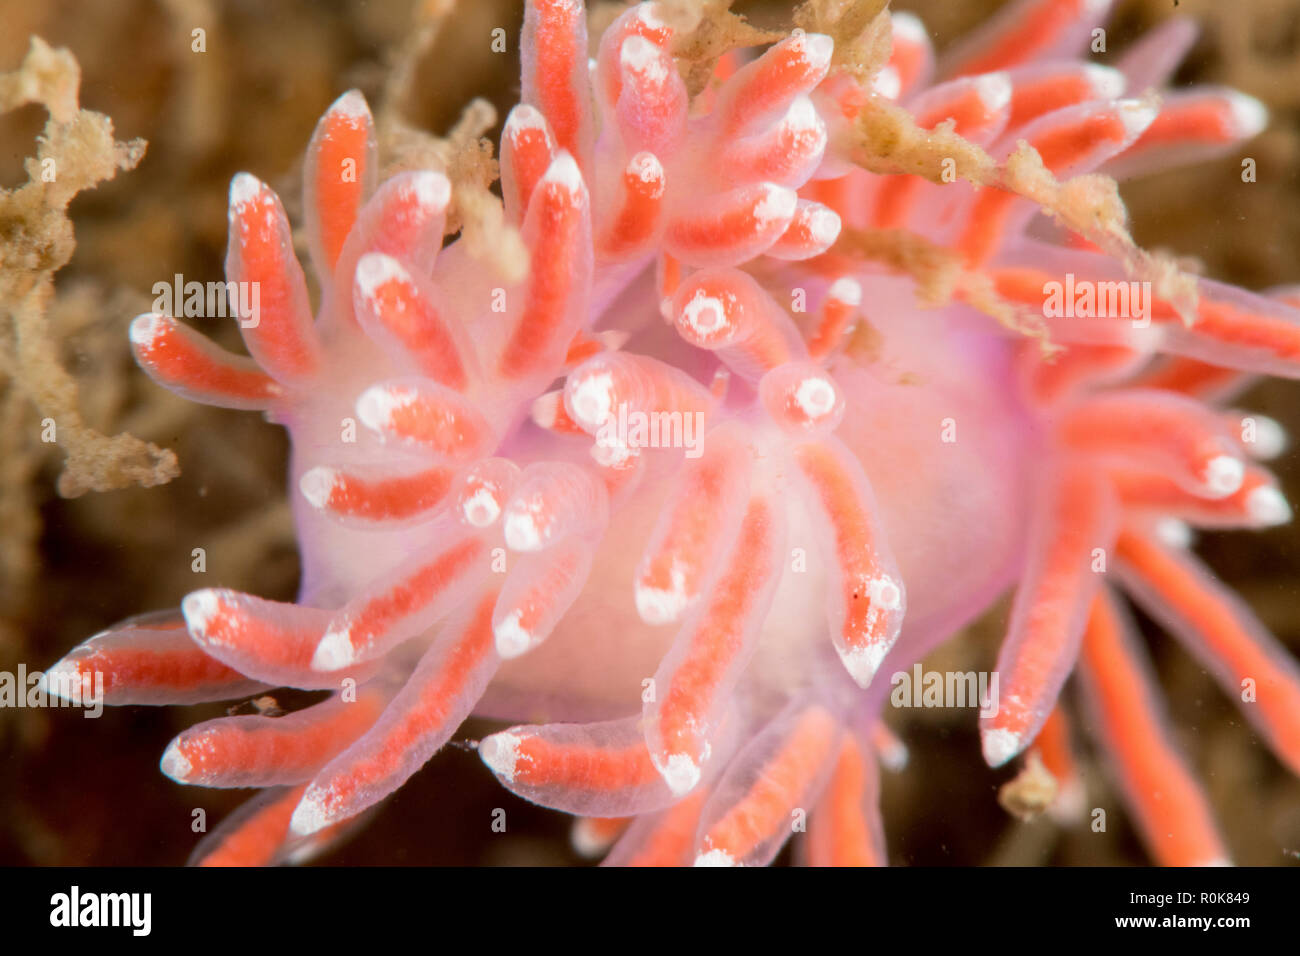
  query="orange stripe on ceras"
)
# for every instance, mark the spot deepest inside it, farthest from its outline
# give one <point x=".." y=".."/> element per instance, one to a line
<point x="1033" y="33"/>
<point x="1025" y="285"/>
<point x="856" y="547"/>
<point x="632" y="23"/>
<point x="1177" y="431"/>
<point x="894" y="201"/>
<point x="415" y="591"/>
<point x="233" y="627"/>
<point x="1077" y="366"/>
<point x="846" y="96"/>
<point x="1215" y="320"/>
<point x="717" y="638"/>
<point x="340" y="176"/>
<point x="284" y="332"/>
<point x="1064" y="146"/>
<point x="1031" y="99"/>
<point x="176" y="356"/>
<point x="227" y="748"/>
<point x="1060" y="148"/>
<point x="1231" y="325"/>
<point x="784" y="153"/>
<point x="654" y="102"/>
<point x="669" y="275"/>
<point x="1168" y="802"/>
<point x="1202" y="605"/>
<point x="695" y="520"/>
<point x="388" y="498"/>
<point x="558" y="60"/>
<point x="838" y="312"/>
<point x="839" y="833"/>
<point x="182" y="667"/>
<point x="532" y="154"/>
<point x="255" y="841"/>
<point x="1158" y="493"/>
<point x="551" y="279"/>
<point x="732" y="220"/>
<point x="422" y="331"/>
<point x="560" y="570"/>
<point x="673" y="837"/>
<point x="582" y="346"/>
<point x="542" y="763"/>
<point x="908" y="59"/>
<point x="968" y="110"/>
<point x="454" y="428"/>
<point x="431" y="709"/>
<point x="1021" y="284"/>
<point x="1190" y="376"/>
<point x="1208" y="120"/>
<point x="835" y="194"/>
<point x="1078" y="520"/>
<point x="988" y="215"/>
<point x="641" y="205"/>
<point x="766" y="807"/>
<point x="780" y="74"/>
<point x="404" y="221"/>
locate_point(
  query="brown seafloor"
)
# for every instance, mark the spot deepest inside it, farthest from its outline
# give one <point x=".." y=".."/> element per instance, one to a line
<point x="74" y="791"/>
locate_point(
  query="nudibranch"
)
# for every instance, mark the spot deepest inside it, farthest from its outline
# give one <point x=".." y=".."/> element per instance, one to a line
<point x="681" y="499"/>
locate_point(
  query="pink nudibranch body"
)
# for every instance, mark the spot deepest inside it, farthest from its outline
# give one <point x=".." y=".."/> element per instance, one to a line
<point x="699" y="637"/>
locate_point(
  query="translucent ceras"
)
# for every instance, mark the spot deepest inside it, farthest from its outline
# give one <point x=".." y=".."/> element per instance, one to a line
<point x="500" y="509"/>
